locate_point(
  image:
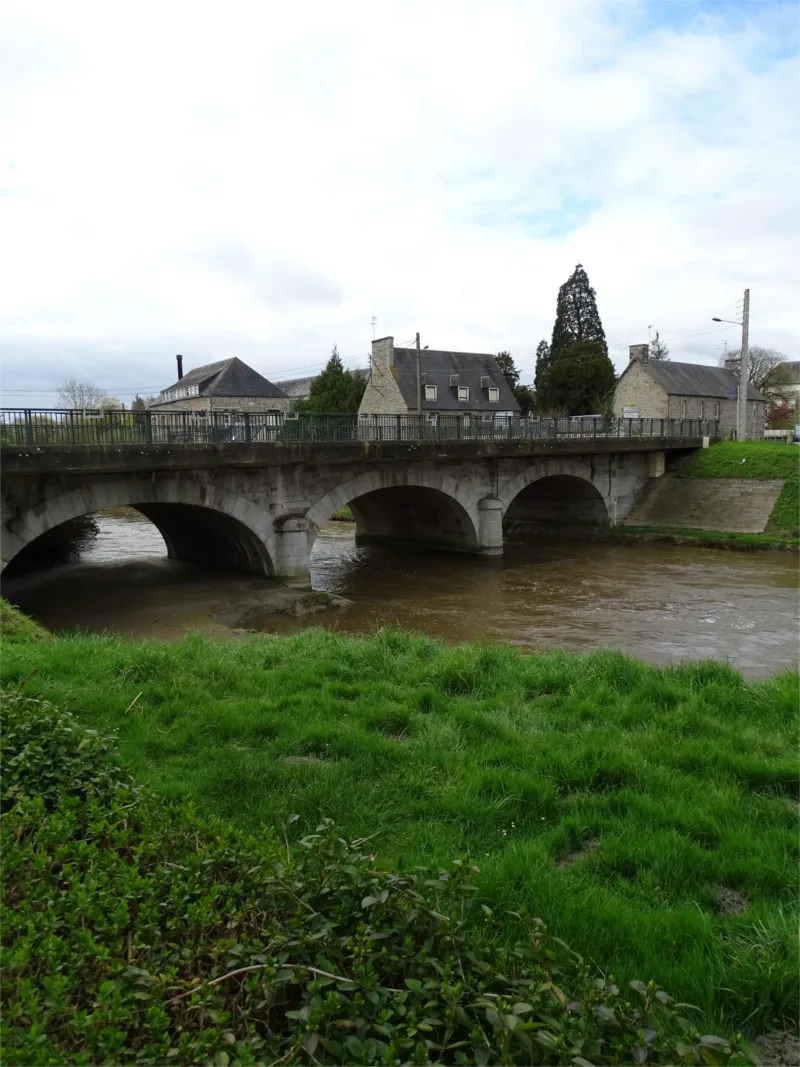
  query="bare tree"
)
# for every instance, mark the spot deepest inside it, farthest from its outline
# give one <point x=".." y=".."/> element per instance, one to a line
<point x="79" y="395"/>
<point x="658" y="348"/>
<point x="767" y="370"/>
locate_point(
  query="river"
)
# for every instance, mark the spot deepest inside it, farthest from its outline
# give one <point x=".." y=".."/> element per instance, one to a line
<point x="662" y="603"/>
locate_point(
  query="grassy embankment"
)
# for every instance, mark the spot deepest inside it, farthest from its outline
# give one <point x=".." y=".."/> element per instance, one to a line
<point x="762" y="460"/>
<point x="633" y="808"/>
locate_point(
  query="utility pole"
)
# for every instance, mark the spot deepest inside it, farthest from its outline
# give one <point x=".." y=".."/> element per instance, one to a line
<point x="741" y="413"/>
<point x="419" y="379"/>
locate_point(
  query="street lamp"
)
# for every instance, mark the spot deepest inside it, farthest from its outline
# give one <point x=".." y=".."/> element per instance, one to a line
<point x="741" y="406"/>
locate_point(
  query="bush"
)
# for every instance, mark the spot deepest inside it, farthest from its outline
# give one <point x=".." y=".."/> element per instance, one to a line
<point x="135" y="932"/>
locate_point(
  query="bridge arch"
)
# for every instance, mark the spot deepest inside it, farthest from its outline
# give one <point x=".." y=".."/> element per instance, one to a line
<point x="198" y="522"/>
<point x="558" y="492"/>
<point x="426" y="506"/>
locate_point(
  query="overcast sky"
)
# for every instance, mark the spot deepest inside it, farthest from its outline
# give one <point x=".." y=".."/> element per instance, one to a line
<point x="261" y="179"/>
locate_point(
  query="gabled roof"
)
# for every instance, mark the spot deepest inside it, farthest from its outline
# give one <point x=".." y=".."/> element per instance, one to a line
<point x="695" y="379"/>
<point x="301" y="387"/>
<point x="437" y="368"/>
<point x="228" y="377"/>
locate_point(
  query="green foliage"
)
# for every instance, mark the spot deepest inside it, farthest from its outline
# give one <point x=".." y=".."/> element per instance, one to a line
<point x="575" y="375"/>
<point x="335" y="390"/>
<point x="659" y="350"/>
<point x="136" y="933"/>
<point x="580" y="379"/>
<point x="756" y="459"/>
<point x="542" y="370"/>
<point x="45" y="753"/>
<point x="523" y="394"/>
<point x="684" y="778"/>
<point x="14" y="626"/>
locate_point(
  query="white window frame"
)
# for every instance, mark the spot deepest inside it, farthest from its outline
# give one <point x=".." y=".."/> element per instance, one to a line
<point x="494" y="394"/>
<point x="466" y="420"/>
<point x="463" y="394"/>
<point x="683" y="409"/>
<point x="431" y="392"/>
<point x="702" y="408"/>
<point x="716" y="410"/>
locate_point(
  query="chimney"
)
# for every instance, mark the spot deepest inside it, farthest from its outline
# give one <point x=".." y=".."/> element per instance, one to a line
<point x="180" y="366"/>
<point x="638" y="353"/>
<point x="383" y="355"/>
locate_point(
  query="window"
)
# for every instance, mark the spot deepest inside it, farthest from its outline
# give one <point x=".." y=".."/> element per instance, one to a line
<point x="683" y="409"/>
<point x="463" y="392"/>
<point x="716" y="410"/>
<point x="465" y="420"/>
<point x="494" y="395"/>
<point x="431" y="392"/>
<point x="702" y="409"/>
<point x="453" y="380"/>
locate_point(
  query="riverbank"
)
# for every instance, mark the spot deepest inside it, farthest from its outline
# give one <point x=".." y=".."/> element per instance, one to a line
<point x="648" y="815"/>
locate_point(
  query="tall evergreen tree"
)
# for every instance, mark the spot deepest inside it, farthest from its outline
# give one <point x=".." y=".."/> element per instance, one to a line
<point x="658" y="348"/>
<point x="335" y="390"/>
<point x="577" y="373"/>
<point x="542" y="365"/>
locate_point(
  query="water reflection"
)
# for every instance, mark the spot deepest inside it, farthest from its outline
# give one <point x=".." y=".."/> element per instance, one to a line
<point x="662" y="603"/>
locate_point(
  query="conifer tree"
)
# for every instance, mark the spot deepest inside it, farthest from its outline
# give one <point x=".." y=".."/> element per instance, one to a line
<point x="577" y="374"/>
<point x="335" y="390"/>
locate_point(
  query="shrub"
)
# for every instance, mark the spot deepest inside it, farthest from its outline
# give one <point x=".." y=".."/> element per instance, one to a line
<point x="134" y="932"/>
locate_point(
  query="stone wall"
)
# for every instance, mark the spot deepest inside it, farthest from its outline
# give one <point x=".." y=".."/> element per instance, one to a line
<point x="261" y="404"/>
<point x="636" y="389"/>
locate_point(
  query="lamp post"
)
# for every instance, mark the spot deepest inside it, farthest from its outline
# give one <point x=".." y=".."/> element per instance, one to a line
<point x="741" y="407"/>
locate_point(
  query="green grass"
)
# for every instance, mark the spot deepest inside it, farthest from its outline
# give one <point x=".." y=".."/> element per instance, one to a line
<point x="343" y="515"/>
<point x="706" y="538"/>
<point x="756" y="459"/>
<point x="18" y="628"/>
<point x="685" y="778"/>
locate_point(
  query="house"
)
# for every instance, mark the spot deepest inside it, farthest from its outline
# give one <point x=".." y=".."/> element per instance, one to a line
<point x="660" y="389"/>
<point x="792" y="389"/>
<point x="466" y="383"/>
<point x="300" y="388"/>
<point x="229" y="385"/>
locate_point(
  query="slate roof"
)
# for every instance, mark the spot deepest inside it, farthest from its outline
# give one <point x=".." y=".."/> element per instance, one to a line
<point x="297" y="388"/>
<point x="437" y="367"/>
<point x="794" y="371"/>
<point x="696" y="379"/>
<point x="228" y="377"/>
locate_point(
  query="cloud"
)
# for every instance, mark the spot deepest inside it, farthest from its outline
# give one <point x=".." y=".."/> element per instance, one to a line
<point x="263" y="184"/>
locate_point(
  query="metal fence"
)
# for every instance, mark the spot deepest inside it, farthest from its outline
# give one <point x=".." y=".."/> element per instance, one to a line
<point x="37" y="427"/>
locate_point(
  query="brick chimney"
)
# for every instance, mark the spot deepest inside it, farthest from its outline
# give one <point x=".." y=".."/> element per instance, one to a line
<point x="638" y="353"/>
<point x="180" y="366"/>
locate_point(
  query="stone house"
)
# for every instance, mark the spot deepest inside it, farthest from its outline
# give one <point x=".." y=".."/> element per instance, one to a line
<point x="661" y="389"/>
<point x="451" y="383"/>
<point x="229" y="385"/>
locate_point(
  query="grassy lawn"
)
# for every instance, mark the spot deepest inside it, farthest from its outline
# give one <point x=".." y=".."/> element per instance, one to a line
<point x="623" y="804"/>
<point x="756" y="459"/>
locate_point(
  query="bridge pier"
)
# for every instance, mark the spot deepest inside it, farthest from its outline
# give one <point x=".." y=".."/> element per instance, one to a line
<point x="490" y="526"/>
<point x="293" y="541"/>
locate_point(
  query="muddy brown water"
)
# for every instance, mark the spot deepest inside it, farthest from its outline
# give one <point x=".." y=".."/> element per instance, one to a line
<point x="660" y="602"/>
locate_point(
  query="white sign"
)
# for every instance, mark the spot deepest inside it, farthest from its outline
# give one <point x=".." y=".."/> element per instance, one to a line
<point x="630" y="413"/>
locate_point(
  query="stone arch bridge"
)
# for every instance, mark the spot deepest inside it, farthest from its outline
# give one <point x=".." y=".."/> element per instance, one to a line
<point x="258" y="507"/>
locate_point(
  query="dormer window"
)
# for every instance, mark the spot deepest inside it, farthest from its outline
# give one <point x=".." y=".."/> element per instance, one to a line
<point x="463" y="392"/>
<point x="431" y="392"/>
<point x="485" y="381"/>
<point x="494" y="394"/>
<point x="453" y="381"/>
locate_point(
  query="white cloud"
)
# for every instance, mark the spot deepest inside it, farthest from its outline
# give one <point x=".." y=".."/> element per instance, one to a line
<point x="258" y="180"/>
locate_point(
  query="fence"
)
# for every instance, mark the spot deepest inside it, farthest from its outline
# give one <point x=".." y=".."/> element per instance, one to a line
<point x="38" y="427"/>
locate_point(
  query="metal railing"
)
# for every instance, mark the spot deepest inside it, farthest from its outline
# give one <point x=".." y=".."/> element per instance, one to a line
<point x="35" y="427"/>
